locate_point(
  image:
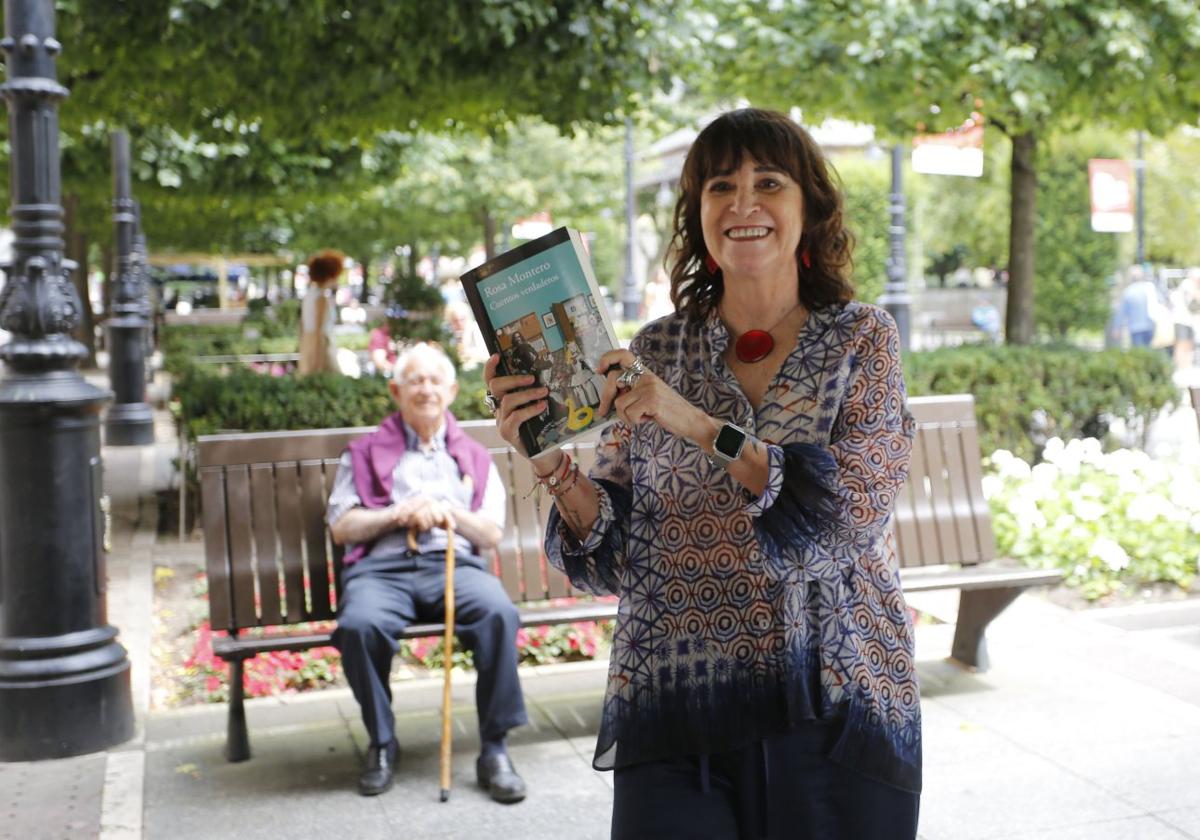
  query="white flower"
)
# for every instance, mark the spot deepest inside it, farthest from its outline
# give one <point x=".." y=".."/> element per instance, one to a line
<point x="1110" y="553"/>
<point x="1086" y="509"/>
<point x="1053" y="449"/>
<point x="1025" y="510"/>
<point x="1064" y="522"/>
<point x="1014" y="468"/>
<point x="1090" y="490"/>
<point x="1044" y="475"/>
<point x="993" y="486"/>
<point x="1147" y="507"/>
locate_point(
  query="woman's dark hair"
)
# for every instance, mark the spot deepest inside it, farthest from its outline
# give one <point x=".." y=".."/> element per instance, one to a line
<point x="325" y="265"/>
<point x="772" y="139"/>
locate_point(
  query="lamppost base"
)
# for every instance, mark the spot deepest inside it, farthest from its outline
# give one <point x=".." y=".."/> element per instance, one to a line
<point x="58" y="707"/>
<point x="129" y="424"/>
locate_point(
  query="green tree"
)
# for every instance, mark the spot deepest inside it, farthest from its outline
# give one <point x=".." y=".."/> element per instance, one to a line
<point x="916" y="65"/>
<point x="1173" y="198"/>
<point x="1075" y="263"/>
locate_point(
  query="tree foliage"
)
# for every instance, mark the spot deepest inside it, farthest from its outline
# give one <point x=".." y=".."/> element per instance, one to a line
<point x="916" y="65"/>
<point x="245" y="115"/>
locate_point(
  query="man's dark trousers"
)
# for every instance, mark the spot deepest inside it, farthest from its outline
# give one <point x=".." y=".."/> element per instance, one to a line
<point x="383" y="594"/>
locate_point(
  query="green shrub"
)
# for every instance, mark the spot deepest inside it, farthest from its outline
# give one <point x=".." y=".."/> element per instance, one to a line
<point x="1080" y="392"/>
<point x="212" y="399"/>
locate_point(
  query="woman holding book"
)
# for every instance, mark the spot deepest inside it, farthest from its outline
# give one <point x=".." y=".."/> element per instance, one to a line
<point x="762" y="680"/>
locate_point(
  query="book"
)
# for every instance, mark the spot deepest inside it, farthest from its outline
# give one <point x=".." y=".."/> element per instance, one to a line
<point x="539" y="307"/>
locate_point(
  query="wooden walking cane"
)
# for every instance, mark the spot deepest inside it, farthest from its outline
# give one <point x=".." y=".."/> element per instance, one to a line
<point x="448" y="655"/>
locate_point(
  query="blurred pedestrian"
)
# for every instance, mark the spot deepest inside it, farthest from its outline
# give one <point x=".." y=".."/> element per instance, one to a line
<point x="318" y="313"/>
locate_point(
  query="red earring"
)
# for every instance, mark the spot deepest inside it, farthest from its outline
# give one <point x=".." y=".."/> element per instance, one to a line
<point x="806" y="258"/>
<point x="710" y="265"/>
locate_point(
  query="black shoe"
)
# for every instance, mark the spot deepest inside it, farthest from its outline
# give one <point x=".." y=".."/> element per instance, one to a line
<point x="498" y="777"/>
<point x="377" y="775"/>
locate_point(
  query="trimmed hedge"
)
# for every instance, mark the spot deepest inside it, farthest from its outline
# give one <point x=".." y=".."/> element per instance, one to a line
<point x="212" y="400"/>
<point x="1076" y="393"/>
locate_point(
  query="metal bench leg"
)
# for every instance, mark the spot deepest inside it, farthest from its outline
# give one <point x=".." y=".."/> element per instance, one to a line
<point x="976" y="609"/>
<point x="237" y="737"/>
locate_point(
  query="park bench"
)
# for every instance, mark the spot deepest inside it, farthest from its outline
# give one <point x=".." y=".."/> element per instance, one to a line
<point x="270" y="562"/>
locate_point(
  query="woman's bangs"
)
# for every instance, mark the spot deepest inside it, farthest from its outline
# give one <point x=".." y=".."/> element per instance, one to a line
<point x="726" y="142"/>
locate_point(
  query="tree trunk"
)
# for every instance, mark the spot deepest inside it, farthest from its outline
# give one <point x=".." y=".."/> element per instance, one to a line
<point x="413" y="259"/>
<point x="76" y="250"/>
<point x="489" y="234"/>
<point x="1018" y="322"/>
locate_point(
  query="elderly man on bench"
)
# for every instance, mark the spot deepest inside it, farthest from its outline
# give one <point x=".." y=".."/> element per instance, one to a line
<point x="397" y="491"/>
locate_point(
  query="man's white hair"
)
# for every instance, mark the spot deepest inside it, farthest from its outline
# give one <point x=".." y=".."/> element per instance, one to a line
<point x="425" y="351"/>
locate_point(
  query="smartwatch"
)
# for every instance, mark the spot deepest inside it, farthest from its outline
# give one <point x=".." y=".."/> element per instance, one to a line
<point x="727" y="446"/>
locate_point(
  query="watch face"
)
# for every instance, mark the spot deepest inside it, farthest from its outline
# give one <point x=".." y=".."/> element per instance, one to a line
<point x="729" y="441"/>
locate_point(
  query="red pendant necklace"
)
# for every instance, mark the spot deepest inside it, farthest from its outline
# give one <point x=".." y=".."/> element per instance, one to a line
<point x="755" y="345"/>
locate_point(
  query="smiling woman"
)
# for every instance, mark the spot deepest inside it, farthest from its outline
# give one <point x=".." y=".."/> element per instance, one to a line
<point x="762" y="680"/>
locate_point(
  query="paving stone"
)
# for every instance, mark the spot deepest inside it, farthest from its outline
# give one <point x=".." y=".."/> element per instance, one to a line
<point x="1015" y="794"/>
<point x="51" y="800"/>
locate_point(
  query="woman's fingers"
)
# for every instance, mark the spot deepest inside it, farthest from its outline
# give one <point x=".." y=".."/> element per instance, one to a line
<point x="611" y="364"/>
<point x="499" y="385"/>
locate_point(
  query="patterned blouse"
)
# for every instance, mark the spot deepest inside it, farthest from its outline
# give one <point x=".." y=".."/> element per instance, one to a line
<point x="739" y="616"/>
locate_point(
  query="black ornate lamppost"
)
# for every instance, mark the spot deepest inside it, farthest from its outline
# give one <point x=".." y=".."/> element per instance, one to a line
<point x="130" y="421"/>
<point x="64" y="678"/>
<point x="896" y="299"/>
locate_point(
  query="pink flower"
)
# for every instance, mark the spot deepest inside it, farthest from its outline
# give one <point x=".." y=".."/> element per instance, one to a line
<point x="212" y="684"/>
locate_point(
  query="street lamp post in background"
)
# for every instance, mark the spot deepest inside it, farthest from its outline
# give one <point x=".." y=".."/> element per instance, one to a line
<point x="629" y="292"/>
<point x="896" y="299"/>
<point x="130" y="421"/>
<point x="1139" y="167"/>
<point x="64" y="679"/>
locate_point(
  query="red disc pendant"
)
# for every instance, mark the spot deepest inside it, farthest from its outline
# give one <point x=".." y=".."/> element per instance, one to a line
<point x="754" y="346"/>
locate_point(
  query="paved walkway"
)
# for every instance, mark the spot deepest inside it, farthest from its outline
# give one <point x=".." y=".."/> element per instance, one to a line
<point x="1086" y="728"/>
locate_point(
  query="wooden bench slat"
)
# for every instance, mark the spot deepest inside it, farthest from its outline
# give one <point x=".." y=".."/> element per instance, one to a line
<point x="922" y="504"/>
<point x="509" y="567"/>
<point x="928" y="578"/>
<point x="602" y="610"/>
<point x="529" y="533"/>
<point x="237" y="516"/>
<point x="958" y="508"/>
<point x="984" y="536"/>
<point x="291" y="554"/>
<point x="266" y="551"/>
<point x="316" y="561"/>
<point x="216" y="552"/>
<point x="940" y="444"/>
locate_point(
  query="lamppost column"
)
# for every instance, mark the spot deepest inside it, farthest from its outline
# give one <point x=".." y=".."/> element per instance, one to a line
<point x="896" y="299"/>
<point x="130" y="421"/>
<point x="64" y="679"/>
<point x="630" y="300"/>
<point x="1139" y="166"/>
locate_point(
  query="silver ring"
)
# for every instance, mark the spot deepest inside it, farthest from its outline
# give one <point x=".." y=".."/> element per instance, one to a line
<point x="491" y="402"/>
<point x="630" y="375"/>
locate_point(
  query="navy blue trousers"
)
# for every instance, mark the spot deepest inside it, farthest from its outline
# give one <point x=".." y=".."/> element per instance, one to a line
<point x="383" y="594"/>
<point x="781" y="787"/>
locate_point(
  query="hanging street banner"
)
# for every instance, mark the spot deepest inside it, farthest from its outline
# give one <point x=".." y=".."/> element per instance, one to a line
<point x="955" y="152"/>
<point x="1111" y="183"/>
<point x="532" y="227"/>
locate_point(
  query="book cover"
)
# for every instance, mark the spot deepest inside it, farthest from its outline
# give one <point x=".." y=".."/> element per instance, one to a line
<point x="539" y="307"/>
